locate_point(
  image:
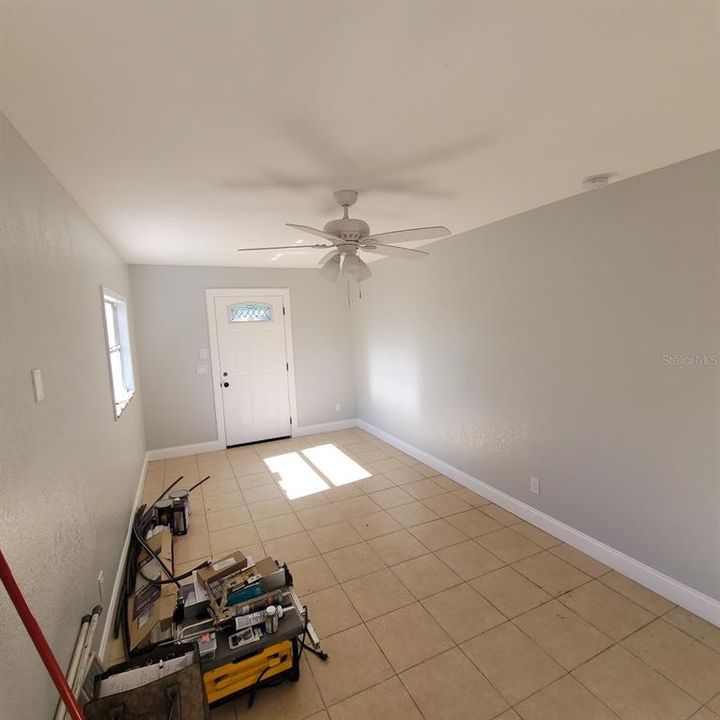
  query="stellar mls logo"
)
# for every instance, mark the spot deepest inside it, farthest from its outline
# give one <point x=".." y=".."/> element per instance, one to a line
<point x="691" y="360"/>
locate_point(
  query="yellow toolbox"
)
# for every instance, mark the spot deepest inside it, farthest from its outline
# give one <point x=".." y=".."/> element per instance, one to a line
<point x="246" y="672"/>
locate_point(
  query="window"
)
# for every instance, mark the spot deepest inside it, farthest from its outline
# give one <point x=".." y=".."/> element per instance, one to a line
<point x="117" y="338"/>
<point x="250" y="312"/>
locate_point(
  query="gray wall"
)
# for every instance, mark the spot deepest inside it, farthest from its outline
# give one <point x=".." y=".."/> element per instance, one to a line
<point x="171" y="326"/>
<point x="68" y="469"/>
<point x="535" y="346"/>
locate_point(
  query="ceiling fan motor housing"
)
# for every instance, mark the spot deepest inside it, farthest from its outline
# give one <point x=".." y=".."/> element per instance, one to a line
<point x="349" y="229"/>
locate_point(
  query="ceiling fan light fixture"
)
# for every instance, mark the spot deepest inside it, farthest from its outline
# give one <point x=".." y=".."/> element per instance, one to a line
<point x="353" y="268"/>
<point x="331" y="269"/>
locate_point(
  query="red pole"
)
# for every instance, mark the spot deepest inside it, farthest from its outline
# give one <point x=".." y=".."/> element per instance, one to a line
<point x="41" y="644"/>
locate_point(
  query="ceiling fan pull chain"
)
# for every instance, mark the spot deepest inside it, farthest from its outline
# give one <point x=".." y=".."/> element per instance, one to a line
<point x="348" y="293"/>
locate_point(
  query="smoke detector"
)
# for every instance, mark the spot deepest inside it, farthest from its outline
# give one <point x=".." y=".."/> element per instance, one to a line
<point x="594" y="182"/>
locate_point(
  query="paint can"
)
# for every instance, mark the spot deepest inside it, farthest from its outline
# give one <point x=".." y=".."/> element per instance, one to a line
<point x="181" y="511"/>
<point x="163" y="512"/>
<point x="181" y="496"/>
<point x="180" y="514"/>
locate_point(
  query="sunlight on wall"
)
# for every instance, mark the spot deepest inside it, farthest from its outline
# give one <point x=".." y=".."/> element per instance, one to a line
<point x="298" y="478"/>
<point x="393" y="380"/>
<point x="335" y="465"/>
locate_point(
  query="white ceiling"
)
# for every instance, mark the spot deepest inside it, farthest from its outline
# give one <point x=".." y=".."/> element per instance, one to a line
<point x="187" y="130"/>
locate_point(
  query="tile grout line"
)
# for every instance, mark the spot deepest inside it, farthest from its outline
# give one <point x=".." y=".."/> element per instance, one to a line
<point x="655" y="670"/>
<point x="692" y="637"/>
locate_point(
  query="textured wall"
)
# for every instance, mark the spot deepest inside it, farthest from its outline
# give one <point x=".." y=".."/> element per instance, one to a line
<point x="68" y="470"/>
<point x="537" y="346"/>
<point x="171" y="326"/>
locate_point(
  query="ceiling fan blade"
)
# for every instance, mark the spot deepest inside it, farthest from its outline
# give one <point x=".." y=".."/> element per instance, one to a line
<point x="285" y="247"/>
<point x="395" y="251"/>
<point x="327" y="257"/>
<point x="423" y="233"/>
<point x="331" y="269"/>
<point x="353" y="268"/>
<point x="313" y="231"/>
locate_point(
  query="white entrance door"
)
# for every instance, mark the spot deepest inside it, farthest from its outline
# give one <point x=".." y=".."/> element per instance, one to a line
<point x="253" y="368"/>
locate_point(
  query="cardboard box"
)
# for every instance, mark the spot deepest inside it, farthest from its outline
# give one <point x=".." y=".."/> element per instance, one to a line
<point x="254" y="579"/>
<point x="231" y="564"/>
<point x="267" y="568"/>
<point x="153" y="620"/>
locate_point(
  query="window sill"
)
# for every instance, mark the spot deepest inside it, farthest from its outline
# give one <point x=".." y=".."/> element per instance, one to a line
<point x="120" y="406"/>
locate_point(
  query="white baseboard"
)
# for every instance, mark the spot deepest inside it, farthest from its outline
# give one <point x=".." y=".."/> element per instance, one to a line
<point x="119" y="574"/>
<point x="213" y="445"/>
<point x="180" y="450"/>
<point x="324" y="427"/>
<point x="683" y="595"/>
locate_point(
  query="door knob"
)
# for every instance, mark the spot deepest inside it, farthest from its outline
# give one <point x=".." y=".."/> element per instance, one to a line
<point x="226" y="384"/>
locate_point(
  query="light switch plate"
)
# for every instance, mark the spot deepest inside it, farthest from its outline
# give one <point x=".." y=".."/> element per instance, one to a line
<point x="37" y="384"/>
<point x="202" y="354"/>
<point x="201" y="369"/>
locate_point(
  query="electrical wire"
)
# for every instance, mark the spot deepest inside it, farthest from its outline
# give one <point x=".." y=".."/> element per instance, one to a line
<point x="152" y="553"/>
<point x="256" y="685"/>
<point x="304" y="635"/>
<point x="187" y="574"/>
<point x="198" y="484"/>
<point x="303" y="645"/>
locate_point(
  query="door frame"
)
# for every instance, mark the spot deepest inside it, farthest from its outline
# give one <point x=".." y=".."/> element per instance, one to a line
<point x="210" y="295"/>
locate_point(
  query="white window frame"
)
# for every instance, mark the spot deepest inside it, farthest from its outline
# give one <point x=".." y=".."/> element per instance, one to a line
<point x="121" y="348"/>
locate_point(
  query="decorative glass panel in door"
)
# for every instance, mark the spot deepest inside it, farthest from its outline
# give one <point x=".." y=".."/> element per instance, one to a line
<point x="250" y="312"/>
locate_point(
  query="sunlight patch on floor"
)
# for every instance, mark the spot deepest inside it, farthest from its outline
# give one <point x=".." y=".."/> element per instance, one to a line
<point x="335" y="465"/>
<point x="299" y="478"/>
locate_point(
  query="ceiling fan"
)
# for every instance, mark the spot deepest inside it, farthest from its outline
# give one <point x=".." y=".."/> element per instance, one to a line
<point x="348" y="235"/>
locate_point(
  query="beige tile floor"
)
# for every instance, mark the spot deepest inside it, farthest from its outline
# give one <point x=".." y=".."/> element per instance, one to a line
<point x="435" y="604"/>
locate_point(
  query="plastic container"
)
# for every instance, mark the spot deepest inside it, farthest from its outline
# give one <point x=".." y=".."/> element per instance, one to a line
<point x="271" y="620"/>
